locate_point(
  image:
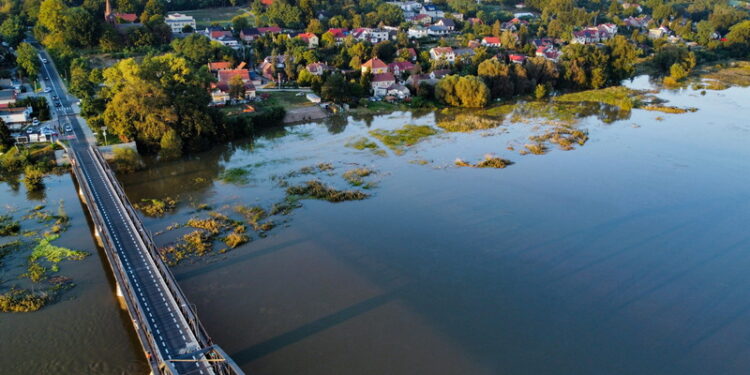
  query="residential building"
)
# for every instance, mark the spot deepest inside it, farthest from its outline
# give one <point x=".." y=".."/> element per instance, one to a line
<point x="400" y="67"/>
<point x="15" y="116"/>
<point x="491" y="41"/>
<point x="548" y="52"/>
<point x="417" y="32"/>
<point x="475" y="21"/>
<point x="517" y="59"/>
<point x="309" y="38"/>
<point x="410" y="52"/>
<point x="439" y="74"/>
<point x="437" y="31"/>
<point x="421" y="19"/>
<point x="7" y="98"/>
<point x="374" y="66"/>
<point x="317" y="68"/>
<point x="178" y="21"/>
<point x="637" y="22"/>
<point x="249" y="34"/>
<point x="381" y="82"/>
<point x="463" y="53"/>
<point x="269" y="30"/>
<point x="415" y="80"/>
<point x="214" y="67"/>
<point x="443" y="53"/>
<point x="220" y="93"/>
<point x="339" y="34"/>
<point x="660" y="32"/>
<point x="446" y="22"/>
<point x="398" y="91"/>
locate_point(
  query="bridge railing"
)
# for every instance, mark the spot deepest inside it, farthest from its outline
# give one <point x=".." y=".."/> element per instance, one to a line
<point x="123" y="282"/>
<point x="190" y="316"/>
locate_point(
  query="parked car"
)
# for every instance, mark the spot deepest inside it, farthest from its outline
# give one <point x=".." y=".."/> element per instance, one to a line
<point x="35" y="122"/>
<point x="47" y="89"/>
<point x="68" y="129"/>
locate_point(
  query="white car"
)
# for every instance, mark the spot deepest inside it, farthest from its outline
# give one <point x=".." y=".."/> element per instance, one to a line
<point x="44" y="61"/>
<point x="35" y="122"/>
<point x="47" y="89"/>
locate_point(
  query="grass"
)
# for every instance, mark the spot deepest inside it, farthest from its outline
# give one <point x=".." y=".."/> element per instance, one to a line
<point x="207" y="16"/>
<point x="238" y="176"/>
<point x="355" y="177"/>
<point x="363" y="143"/>
<point x="536" y="148"/>
<point x="617" y="96"/>
<point x="467" y="123"/>
<point x="156" y="207"/>
<point x="315" y="189"/>
<point x="564" y="137"/>
<point x="20" y="300"/>
<point x="488" y="162"/>
<point x="254" y="216"/>
<point x="737" y="74"/>
<point x="407" y="136"/>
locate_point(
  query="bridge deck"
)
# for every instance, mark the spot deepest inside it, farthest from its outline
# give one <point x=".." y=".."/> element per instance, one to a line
<point x="164" y="321"/>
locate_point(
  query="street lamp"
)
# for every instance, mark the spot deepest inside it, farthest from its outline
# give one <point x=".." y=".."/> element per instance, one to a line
<point x="104" y="129"/>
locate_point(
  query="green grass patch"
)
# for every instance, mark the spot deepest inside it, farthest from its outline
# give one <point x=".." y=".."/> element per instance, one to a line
<point x="467" y="123"/>
<point x="223" y="15"/>
<point x="488" y="162"/>
<point x="355" y="177"/>
<point x="397" y="140"/>
<point x="668" y="109"/>
<point x="363" y="143"/>
<point x="156" y="207"/>
<point x="8" y="226"/>
<point x="618" y="96"/>
<point x="238" y="176"/>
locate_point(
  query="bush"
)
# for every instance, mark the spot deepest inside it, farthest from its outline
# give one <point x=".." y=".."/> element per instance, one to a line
<point x="33" y="179"/>
<point x="126" y="160"/>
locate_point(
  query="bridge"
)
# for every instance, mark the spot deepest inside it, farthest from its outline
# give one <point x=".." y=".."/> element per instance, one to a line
<point x="173" y="339"/>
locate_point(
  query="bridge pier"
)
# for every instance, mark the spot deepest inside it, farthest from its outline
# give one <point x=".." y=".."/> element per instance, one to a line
<point x="98" y="236"/>
<point x="82" y="196"/>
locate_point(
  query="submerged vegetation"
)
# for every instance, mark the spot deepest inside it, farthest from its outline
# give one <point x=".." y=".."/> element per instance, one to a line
<point x="397" y="140"/>
<point x="668" y="109"/>
<point x="356" y="176"/>
<point x="363" y="143"/>
<point x="156" y="207"/>
<point x="617" y="96"/>
<point x="722" y="77"/>
<point x="488" y="162"/>
<point x="237" y="176"/>
<point x="126" y="160"/>
<point x="40" y="256"/>
<point x="467" y="123"/>
<point x="314" y="189"/>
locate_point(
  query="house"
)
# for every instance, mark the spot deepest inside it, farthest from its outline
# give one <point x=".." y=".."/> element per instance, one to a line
<point x="446" y="22"/>
<point x="439" y="74"/>
<point x="491" y="41"/>
<point x="318" y="68"/>
<point x="214" y="67"/>
<point x="548" y="52"/>
<point x="524" y="15"/>
<point x="543" y="42"/>
<point x="610" y="29"/>
<point x="7" y="98"/>
<point x="516" y="59"/>
<point x="432" y="11"/>
<point x="443" y="53"/>
<point x="421" y="19"/>
<point x="400" y="67"/>
<point x="178" y="21"/>
<point x="269" y="30"/>
<point x="381" y="82"/>
<point x="408" y="53"/>
<point x="417" y="32"/>
<point x="249" y="34"/>
<point x="595" y="34"/>
<point x="224" y="37"/>
<point x="339" y="34"/>
<point x="635" y="6"/>
<point x="115" y="18"/>
<point x="399" y="91"/>
<point x="637" y="22"/>
<point x="374" y="66"/>
<point x="268" y="67"/>
<point x="309" y="38"/>
<point x="378" y="35"/>
<point x="660" y="32"/>
<point x="15" y="116"/>
<point x="463" y="52"/>
<point x="475" y="21"/>
<point x="415" y="80"/>
<point x="514" y="24"/>
<point x="220" y="93"/>
<point x="437" y="31"/>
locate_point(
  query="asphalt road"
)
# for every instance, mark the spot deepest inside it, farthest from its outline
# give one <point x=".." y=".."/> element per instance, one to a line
<point x="169" y="328"/>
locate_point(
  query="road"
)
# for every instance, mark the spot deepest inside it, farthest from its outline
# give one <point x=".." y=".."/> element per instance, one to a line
<point x="171" y="331"/>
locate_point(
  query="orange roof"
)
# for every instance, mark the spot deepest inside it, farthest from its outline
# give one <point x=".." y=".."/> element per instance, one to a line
<point x="219" y="65"/>
<point x="492" y="40"/>
<point x="374" y="63"/>
<point x="130" y="17"/>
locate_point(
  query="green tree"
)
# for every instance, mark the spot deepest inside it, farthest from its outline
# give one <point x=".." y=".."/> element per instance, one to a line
<point x="52" y="15"/>
<point x="621" y="58"/>
<point x="6" y="140"/>
<point x="33" y="178"/>
<point x="196" y="48"/>
<point x="540" y="92"/>
<point x="739" y="35"/>
<point x="315" y="27"/>
<point x="466" y="91"/>
<point x="497" y="76"/>
<point x="12" y="30"/>
<point x="170" y="145"/>
<point x="335" y="88"/>
<point x="80" y="28"/>
<point x="239" y="23"/>
<point x="236" y="88"/>
<point x="27" y="59"/>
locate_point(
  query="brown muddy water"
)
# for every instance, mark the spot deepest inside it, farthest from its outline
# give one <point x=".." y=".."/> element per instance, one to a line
<point x="627" y="255"/>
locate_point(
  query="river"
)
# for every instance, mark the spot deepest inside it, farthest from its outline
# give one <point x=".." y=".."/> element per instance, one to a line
<point x="626" y="255"/>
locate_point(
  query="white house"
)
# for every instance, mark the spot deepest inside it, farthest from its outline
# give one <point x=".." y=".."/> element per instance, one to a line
<point x="417" y="32"/>
<point x="437" y="30"/>
<point x="15" y="115"/>
<point x="7" y="98"/>
<point x="443" y="53"/>
<point x="178" y="21"/>
<point x="381" y="82"/>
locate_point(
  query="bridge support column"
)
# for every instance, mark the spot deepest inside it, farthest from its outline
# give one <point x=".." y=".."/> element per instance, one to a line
<point x="83" y="197"/>
<point x="118" y="290"/>
<point x="98" y="236"/>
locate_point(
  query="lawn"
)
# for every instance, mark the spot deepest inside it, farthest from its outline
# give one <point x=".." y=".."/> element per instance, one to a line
<point x="205" y="17"/>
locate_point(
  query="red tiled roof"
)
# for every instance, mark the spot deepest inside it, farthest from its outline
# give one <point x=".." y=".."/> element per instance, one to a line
<point x="130" y="17"/>
<point x="225" y="76"/>
<point x="491" y="40"/>
<point x="305" y="36"/>
<point x="219" y="65"/>
<point x="402" y="65"/>
<point x="443" y="50"/>
<point x="374" y="63"/>
<point x="219" y="33"/>
<point x="383" y="77"/>
<point x="269" y="29"/>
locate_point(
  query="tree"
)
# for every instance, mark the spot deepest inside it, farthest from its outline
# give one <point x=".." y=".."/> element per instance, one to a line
<point x="236" y="88"/>
<point x="621" y="58"/>
<point x="739" y="35"/>
<point x="27" y="60"/>
<point x="33" y="178"/>
<point x="196" y="48"/>
<point x="335" y="88"/>
<point x="171" y="145"/>
<point x="80" y="85"/>
<point x="540" y="92"/>
<point x="315" y="26"/>
<point x="239" y="23"/>
<point x="6" y="140"/>
<point x="466" y="91"/>
<point x="52" y="15"/>
<point x="497" y="76"/>
<point x="80" y="28"/>
<point x="154" y="7"/>
<point x="12" y="30"/>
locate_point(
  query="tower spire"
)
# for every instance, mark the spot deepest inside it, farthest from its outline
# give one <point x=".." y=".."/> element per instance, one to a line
<point x="107" y="10"/>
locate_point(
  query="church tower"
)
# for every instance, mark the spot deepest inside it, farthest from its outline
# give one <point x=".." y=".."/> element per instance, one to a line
<point x="108" y="16"/>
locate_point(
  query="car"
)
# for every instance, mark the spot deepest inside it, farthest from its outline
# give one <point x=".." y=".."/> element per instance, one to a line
<point x="35" y="122"/>
<point x="46" y="78"/>
<point x="30" y="130"/>
<point x="47" y="89"/>
<point x="68" y="129"/>
<point x="57" y="104"/>
<point x="44" y="61"/>
<point x="54" y="97"/>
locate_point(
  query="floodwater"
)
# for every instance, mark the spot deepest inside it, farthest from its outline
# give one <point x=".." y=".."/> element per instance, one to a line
<point x="627" y="255"/>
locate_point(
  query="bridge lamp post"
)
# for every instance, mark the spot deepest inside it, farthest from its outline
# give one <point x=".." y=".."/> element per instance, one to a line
<point x="104" y="129"/>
